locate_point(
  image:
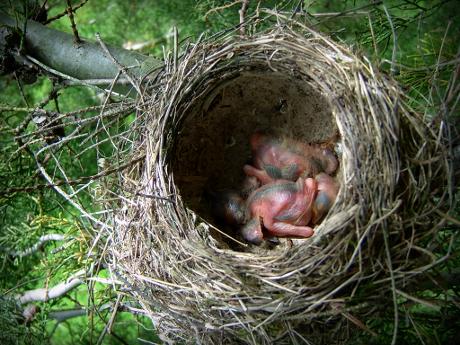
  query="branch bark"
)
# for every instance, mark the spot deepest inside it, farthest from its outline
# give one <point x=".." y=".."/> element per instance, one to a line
<point x="43" y="295"/>
<point x="63" y="315"/>
<point x="82" y="61"/>
<point x="37" y="246"/>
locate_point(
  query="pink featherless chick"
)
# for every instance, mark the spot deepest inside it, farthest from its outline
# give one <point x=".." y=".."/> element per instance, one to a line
<point x="325" y="198"/>
<point x="283" y="208"/>
<point x="275" y="158"/>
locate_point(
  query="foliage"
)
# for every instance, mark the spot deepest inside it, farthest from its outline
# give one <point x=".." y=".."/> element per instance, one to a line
<point x="13" y="329"/>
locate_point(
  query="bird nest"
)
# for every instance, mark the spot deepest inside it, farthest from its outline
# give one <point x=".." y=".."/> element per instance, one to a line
<point x="199" y="282"/>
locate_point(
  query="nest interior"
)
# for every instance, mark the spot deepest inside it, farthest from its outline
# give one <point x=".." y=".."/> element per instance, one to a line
<point x="193" y="127"/>
<point x="213" y="143"/>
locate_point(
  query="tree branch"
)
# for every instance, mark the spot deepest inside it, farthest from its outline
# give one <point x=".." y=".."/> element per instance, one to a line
<point x="37" y="246"/>
<point x="84" y="61"/>
<point x="63" y="315"/>
<point x="43" y="295"/>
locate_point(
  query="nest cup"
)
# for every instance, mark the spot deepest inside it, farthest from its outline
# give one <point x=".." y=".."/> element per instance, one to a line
<point x="199" y="283"/>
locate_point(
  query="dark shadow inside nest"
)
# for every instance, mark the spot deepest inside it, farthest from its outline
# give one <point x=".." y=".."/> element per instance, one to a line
<point x="213" y="142"/>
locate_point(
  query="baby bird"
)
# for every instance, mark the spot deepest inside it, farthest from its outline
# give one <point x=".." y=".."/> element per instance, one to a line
<point x="327" y="192"/>
<point x="228" y="207"/>
<point x="287" y="159"/>
<point x="283" y="208"/>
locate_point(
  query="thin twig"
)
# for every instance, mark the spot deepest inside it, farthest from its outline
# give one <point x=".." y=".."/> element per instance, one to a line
<point x="242" y="12"/>
<point x="220" y="8"/>
<point x="68" y="77"/>
<point x="60" y="15"/>
<point x="80" y="180"/>
<point x="70" y="10"/>
<point x="123" y="69"/>
<point x="393" y="31"/>
<point x="393" y="287"/>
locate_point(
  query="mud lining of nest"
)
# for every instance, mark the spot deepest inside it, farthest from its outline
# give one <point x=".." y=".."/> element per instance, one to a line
<point x="198" y="284"/>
